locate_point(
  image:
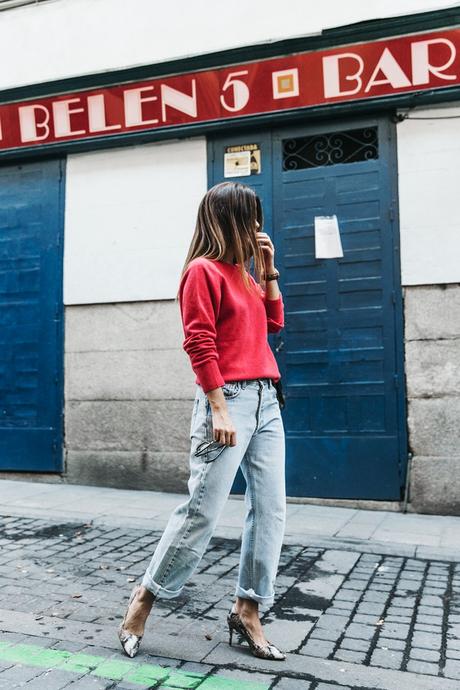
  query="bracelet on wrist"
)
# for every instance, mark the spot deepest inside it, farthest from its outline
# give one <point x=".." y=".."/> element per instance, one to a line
<point x="271" y="276"/>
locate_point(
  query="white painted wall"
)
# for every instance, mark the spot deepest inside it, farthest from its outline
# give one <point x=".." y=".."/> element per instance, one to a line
<point x="64" y="38"/>
<point x="428" y="179"/>
<point x="130" y="212"/>
<point x="129" y="217"/>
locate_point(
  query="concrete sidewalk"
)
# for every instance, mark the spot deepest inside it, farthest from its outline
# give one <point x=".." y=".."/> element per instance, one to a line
<point x="371" y="531"/>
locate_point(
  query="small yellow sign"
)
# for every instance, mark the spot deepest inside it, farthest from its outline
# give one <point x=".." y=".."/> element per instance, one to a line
<point x="242" y="160"/>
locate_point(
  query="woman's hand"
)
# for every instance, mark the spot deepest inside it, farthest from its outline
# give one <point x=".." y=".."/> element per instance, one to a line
<point x="271" y="287"/>
<point x="223" y="429"/>
<point x="268" y="249"/>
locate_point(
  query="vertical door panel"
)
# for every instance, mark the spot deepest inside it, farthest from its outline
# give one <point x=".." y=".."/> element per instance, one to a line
<point x="31" y="314"/>
<point x="339" y="362"/>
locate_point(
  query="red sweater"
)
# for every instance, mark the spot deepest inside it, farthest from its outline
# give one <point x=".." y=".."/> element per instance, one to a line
<point x="225" y="326"/>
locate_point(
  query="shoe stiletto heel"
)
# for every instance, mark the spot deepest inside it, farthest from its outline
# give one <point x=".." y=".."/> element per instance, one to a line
<point x="129" y="641"/>
<point x="267" y="651"/>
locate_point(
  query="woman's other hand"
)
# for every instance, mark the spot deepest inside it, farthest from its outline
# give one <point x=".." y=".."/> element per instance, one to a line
<point x="223" y="428"/>
<point x="271" y="287"/>
<point x="268" y="249"/>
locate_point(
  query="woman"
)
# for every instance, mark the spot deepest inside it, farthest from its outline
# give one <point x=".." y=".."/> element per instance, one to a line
<point x="236" y="418"/>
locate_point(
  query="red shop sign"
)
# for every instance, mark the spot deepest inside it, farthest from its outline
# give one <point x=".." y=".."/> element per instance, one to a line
<point x="386" y="67"/>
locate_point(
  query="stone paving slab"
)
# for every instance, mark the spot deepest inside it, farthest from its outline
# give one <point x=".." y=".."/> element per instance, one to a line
<point x="348" y="620"/>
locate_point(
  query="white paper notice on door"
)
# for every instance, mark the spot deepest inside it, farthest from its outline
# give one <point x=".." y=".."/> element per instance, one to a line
<point x="327" y="237"/>
<point x="237" y="164"/>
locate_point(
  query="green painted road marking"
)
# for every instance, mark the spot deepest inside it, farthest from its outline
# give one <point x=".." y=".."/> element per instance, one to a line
<point x="32" y="655"/>
<point x="81" y="663"/>
<point x="114" y="669"/>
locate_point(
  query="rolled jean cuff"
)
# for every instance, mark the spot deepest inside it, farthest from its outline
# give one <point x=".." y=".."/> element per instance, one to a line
<point x="159" y="591"/>
<point x="250" y="594"/>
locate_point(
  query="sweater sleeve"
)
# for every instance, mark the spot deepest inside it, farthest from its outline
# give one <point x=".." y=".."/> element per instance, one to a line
<point x="275" y="313"/>
<point x="199" y="296"/>
<point x="274" y="309"/>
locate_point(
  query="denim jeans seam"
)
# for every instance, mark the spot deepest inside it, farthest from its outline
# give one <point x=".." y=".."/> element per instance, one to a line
<point x="190" y="517"/>
<point x="207" y="409"/>
<point x="194" y="414"/>
<point x="253" y="522"/>
<point x="259" y="408"/>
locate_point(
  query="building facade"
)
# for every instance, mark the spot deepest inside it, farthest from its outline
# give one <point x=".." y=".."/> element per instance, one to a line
<point x="344" y="122"/>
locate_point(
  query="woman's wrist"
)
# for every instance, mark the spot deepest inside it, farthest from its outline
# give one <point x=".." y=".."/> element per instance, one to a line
<point x="216" y="399"/>
<point x="270" y="274"/>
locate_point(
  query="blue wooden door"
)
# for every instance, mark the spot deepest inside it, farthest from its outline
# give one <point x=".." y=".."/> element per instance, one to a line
<point x="341" y="351"/>
<point x="341" y="357"/>
<point x="31" y="316"/>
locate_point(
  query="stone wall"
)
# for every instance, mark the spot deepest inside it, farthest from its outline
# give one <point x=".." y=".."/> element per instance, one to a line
<point x="129" y="393"/>
<point x="432" y="351"/>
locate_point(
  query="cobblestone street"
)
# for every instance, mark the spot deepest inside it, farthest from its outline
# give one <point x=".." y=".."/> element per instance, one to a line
<point x="348" y="619"/>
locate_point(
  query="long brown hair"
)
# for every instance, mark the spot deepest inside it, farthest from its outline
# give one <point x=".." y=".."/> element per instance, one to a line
<point x="226" y="219"/>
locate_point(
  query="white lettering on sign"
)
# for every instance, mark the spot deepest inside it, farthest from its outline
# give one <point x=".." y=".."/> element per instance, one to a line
<point x="331" y="71"/>
<point x="421" y="67"/>
<point x="28" y="123"/>
<point x="336" y="68"/>
<point x="392" y="71"/>
<point x="178" y="100"/>
<point x="96" y="115"/>
<point x="240" y="91"/>
<point x="61" y="117"/>
<point x="133" y="100"/>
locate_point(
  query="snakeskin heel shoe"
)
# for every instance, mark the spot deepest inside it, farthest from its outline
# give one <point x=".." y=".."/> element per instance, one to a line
<point x="129" y="641"/>
<point x="268" y="651"/>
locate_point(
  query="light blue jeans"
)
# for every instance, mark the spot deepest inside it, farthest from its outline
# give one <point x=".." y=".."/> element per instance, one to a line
<point x="260" y="450"/>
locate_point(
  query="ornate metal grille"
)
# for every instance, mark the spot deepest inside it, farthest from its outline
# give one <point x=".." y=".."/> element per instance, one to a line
<point x="349" y="146"/>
